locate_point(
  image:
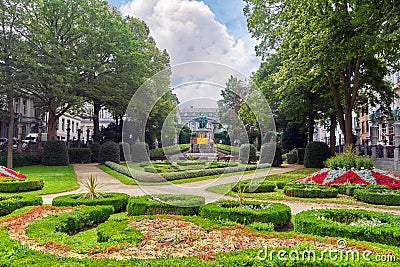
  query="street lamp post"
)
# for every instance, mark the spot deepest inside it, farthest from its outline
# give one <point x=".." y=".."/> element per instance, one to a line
<point x="87" y="137"/>
<point x="19" y="145"/>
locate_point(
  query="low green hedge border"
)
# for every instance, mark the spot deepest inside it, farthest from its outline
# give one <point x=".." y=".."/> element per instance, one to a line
<point x="21" y="186"/>
<point x="117" y="200"/>
<point x="248" y="187"/>
<point x="9" y="203"/>
<point x="378" y="196"/>
<point x="165" y="204"/>
<point x="117" y="230"/>
<point x="190" y="162"/>
<point x="364" y="225"/>
<point x="308" y="190"/>
<point x="80" y="155"/>
<point x="251" y="211"/>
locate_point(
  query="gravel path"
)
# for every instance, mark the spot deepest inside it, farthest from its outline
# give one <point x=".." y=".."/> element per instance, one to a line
<point x="111" y="184"/>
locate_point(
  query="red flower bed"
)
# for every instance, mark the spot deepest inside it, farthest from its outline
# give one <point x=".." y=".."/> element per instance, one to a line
<point x="5" y="172"/>
<point x="318" y="177"/>
<point x="386" y="180"/>
<point x="348" y="177"/>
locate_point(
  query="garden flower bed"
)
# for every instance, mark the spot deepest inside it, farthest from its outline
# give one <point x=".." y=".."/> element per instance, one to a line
<point x="12" y="181"/>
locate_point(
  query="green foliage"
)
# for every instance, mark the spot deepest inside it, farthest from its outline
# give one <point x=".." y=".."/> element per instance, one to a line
<point x="95" y="149"/>
<point x="247" y="154"/>
<point x="278" y="157"/>
<point x="370" y="226"/>
<point x="125" y="151"/>
<point x="117" y="200"/>
<point x="92" y="187"/>
<point x="9" y="203"/>
<point x="280" y="185"/>
<point x="250" y="186"/>
<point x="251" y="211"/>
<point x="234" y="150"/>
<point x="309" y="190"/>
<point x="264" y="227"/>
<point x="118" y="230"/>
<point x="22" y="159"/>
<point x="266" y="154"/>
<point x="292" y="157"/>
<point x="139" y="152"/>
<point x="301" y="155"/>
<point x="378" y="196"/>
<point x="165" y="204"/>
<point x="293" y="137"/>
<point x="19" y="185"/>
<point x="79" y="155"/>
<point x="168" y="150"/>
<point x="222" y="136"/>
<point x="347" y="189"/>
<point x="348" y="161"/>
<point x="55" y="153"/>
<point x="109" y="151"/>
<point x="315" y="155"/>
<point x="190" y="162"/>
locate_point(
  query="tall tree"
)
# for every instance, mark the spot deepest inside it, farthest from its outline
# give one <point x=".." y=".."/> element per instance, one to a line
<point x="338" y="39"/>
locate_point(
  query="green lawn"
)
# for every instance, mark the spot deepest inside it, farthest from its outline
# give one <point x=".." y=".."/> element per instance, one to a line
<point x="56" y="178"/>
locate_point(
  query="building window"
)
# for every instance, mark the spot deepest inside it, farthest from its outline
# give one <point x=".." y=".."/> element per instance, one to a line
<point x="62" y="124"/>
<point x="17" y="107"/>
<point x="362" y="127"/>
<point x="24" y="107"/>
<point x="73" y="127"/>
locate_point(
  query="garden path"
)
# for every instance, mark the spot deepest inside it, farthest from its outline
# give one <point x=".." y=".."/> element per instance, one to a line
<point x="111" y="184"/>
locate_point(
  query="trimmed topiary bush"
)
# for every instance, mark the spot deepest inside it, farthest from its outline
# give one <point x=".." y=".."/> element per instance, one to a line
<point x="80" y="155"/>
<point x="109" y="151"/>
<point x="117" y="200"/>
<point x="378" y="196"/>
<point x="165" y="204"/>
<point x="125" y="151"/>
<point x="55" y="153"/>
<point x="280" y="185"/>
<point x="9" y="203"/>
<point x="315" y="155"/>
<point x="300" y="155"/>
<point x="249" y="212"/>
<point x="118" y="230"/>
<point x="292" y="157"/>
<point x="278" y="157"/>
<point x="95" y="148"/>
<point x="20" y="185"/>
<point x="247" y="154"/>
<point x="20" y="160"/>
<point x="310" y="190"/>
<point x="364" y="225"/>
<point x="248" y="187"/>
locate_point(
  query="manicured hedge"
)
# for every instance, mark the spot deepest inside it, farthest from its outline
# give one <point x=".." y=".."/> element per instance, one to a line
<point x="247" y="154"/>
<point x="21" y="186"/>
<point x="79" y="155"/>
<point x="9" y="203"/>
<point x="190" y="162"/>
<point x="117" y="200"/>
<point x="169" y="150"/>
<point x="109" y="151"/>
<point x="310" y="191"/>
<point x="95" y="148"/>
<point x="250" y="212"/>
<point x="20" y="160"/>
<point x="370" y="226"/>
<point x="248" y="187"/>
<point x="378" y="196"/>
<point x="315" y="155"/>
<point x="165" y="204"/>
<point x="55" y="153"/>
<point x="347" y="189"/>
<point x="280" y="185"/>
<point x="119" y="231"/>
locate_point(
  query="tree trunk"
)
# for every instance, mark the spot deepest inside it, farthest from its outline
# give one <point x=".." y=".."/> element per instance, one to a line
<point x="52" y="120"/>
<point x="348" y="133"/>
<point x="96" y="123"/>
<point x="11" y="115"/>
<point x="332" y="136"/>
<point x="311" y="123"/>
<point x="121" y="125"/>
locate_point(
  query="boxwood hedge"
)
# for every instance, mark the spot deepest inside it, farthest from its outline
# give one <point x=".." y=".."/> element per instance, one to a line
<point x="378" y="196"/>
<point x="364" y="225"/>
<point x="309" y="190"/>
<point x="9" y="203"/>
<point x="18" y="185"/>
<point x="165" y="204"/>
<point x="249" y="187"/>
<point x="119" y="231"/>
<point x="250" y="212"/>
<point x="117" y="200"/>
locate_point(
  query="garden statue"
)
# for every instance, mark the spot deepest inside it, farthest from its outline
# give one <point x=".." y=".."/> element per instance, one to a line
<point x="373" y="117"/>
<point x="396" y="114"/>
<point x="202" y="120"/>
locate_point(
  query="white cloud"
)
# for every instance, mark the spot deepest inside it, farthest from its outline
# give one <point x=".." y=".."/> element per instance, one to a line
<point x="189" y="31"/>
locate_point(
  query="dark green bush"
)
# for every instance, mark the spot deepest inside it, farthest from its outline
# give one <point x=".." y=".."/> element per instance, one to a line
<point x="278" y="157"/>
<point x="246" y="186"/>
<point x="370" y="226"/>
<point x="20" y="185"/>
<point x="378" y="196"/>
<point x="266" y="153"/>
<point x="95" y="149"/>
<point x="190" y="162"/>
<point x="310" y="190"/>
<point x="20" y="160"/>
<point x="348" y="162"/>
<point x="292" y="157"/>
<point x="280" y="185"/>
<point x="250" y="212"/>
<point x="315" y="155"/>
<point x="300" y="155"/>
<point x="79" y="155"/>
<point x="117" y="200"/>
<point x="9" y="203"/>
<point x="165" y="204"/>
<point x="109" y="151"/>
<point x="347" y="189"/>
<point x="247" y="154"/>
<point x="125" y="151"/>
<point x="55" y="153"/>
<point x="119" y="231"/>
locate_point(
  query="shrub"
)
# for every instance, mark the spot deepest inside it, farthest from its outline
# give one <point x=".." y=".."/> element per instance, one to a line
<point x="80" y="155"/>
<point x="119" y="231"/>
<point x="310" y="190"/>
<point x="300" y="155"/>
<point x="315" y="154"/>
<point x="355" y="224"/>
<point x="95" y="149"/>
<point x="125" y="151"/>
<point x="278" y="157"/>
<point x="20" y="160"/>
<point x="190" y="162"/>
<point x="9" y="203"/>
<point x="248" y="187"/>
<point x="109" y="151"/>
<point x="251" y="211"/>
<point x="280" y="185"/>
<point x="247" y="154"/>
<point x="266" y="153"/>
<point x="19" y="185"/>
<point x="378" y="196"/>
<point x="139" y="152"/>
<point x="292" y="158"/>
<point x="55" y="153"/>
<point x="347" y="189"/>
<point x="264" y="227"/>
<point x="117" y="200"/>
<point x="165" y="204"/>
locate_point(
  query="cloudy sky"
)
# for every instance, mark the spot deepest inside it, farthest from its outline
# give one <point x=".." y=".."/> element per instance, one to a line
<point x="209" y="30"/>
